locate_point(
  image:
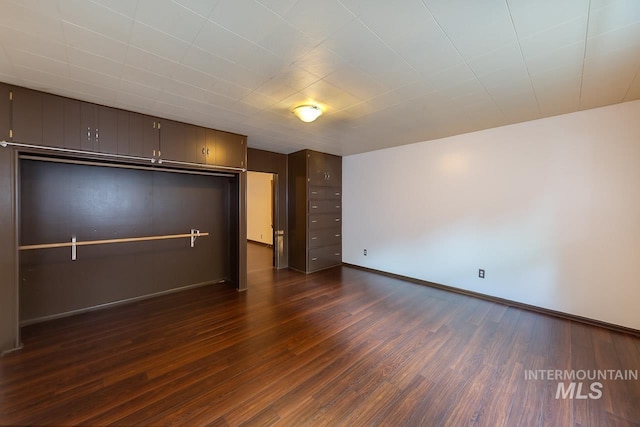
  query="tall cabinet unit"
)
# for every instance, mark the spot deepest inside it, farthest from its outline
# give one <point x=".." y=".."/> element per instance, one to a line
<point x="315" y="210"/>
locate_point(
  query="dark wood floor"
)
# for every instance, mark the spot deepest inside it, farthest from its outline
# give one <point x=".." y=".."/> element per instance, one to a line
<point x="340" y="347"/>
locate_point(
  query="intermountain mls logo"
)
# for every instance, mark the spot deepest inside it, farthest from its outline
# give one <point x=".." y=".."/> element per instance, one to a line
<point x="581" y="383"/>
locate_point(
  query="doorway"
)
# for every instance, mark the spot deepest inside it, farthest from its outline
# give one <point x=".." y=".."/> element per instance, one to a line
<point x="262" y="240"/>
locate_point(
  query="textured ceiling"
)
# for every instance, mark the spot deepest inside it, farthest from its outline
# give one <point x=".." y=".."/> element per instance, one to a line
<point x="385" y="72"/>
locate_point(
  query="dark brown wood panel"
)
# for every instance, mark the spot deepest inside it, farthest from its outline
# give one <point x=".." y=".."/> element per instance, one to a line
<point x="124" y="132"/>
<point x="193" y="143"/>
<point x="172" y="141"/>
<point x="230" y="149"/>
<point x="210" y="147"/>
<point x="73" y="132"/>
<point x="5" y="112"/>
<point x="325" y="206"/>
<point x="52" y="120"/>
<point x="324" y="169"/>
<point x="92" y="203"/>
<point x="325" y="237"/>
<point x="106" y="129"/>
<point x="339" y="347"/>
<point x="324" y="257"/>
<point x="319" y="193"/>
<point x="8" y="279"/>
<point x="27" y="116"/>
<point x="138" y="127"/>
<point x="297" y="210"/>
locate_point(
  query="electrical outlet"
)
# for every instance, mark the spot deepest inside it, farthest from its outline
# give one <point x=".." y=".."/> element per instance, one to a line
<point x="365" y="252"/>
<point x="481" y="273"/>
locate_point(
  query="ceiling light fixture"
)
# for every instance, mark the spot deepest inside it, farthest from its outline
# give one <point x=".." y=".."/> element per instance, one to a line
<point x="307" y="113"/>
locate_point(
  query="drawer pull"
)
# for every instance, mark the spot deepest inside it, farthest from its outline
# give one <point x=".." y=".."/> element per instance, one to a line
<point x="337" y="254"/>
<point x="314" y="238"/>
<point x="314" y="221"/>
<point x="314" y="259"/>
<point x="337" y="206"/>
<point x="337" y="235"/>
<point x="337" y="219"/>
<point x="314" y="207"/>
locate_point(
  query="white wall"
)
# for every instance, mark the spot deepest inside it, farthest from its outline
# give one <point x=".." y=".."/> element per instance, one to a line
<point x="259" y="207"/>
<point x="549" y="208"/>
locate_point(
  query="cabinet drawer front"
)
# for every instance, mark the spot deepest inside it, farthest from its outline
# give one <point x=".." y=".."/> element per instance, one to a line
<point x="324" y="206"/>
<point x="324" y="221"/>
<point x="324" y="257"/>
<point x="316" y="193"/>
<point x="325" y="237"/>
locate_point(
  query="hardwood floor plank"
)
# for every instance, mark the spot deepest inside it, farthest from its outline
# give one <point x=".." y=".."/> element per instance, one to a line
<point x="338" y="347"/>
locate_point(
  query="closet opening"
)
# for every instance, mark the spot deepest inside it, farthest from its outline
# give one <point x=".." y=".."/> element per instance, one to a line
<point x="93" y="234"/>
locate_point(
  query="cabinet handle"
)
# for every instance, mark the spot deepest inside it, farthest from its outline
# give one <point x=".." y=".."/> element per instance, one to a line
<point x="337" y="254"/>
<point x="337" y="206"/>
<point x="314" y="238"/>
<point x="314" y="259"/>
<point x="314" y="221"/>
<point x="154" y="153"/>
<point x="337" y="235"/>
<point x="88" y="134"/>
<point x="337" y="220"/>
<point x="97" y="136"/>
<point x="159" y="153"/>
<point x="207" y="151"/>
<point x="314" y="192"/>
<point x="203" y="151"/>
<point x="314" y="207"/>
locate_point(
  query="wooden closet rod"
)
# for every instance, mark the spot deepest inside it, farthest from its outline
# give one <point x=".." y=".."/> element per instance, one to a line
<point x="73" y="243"/>
<point x="106" y="241"/>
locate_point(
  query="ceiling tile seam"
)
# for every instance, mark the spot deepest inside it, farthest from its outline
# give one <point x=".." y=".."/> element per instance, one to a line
<point x="462" y="58"/>
<point x="242" y="37"/>
<point x="65" y="63"/>
<point x="380" y="39"/>
<point x="191" y="10"/>
<point x="584" y="55"/>
<point x="5" y="53"/>
<point x="184" y="53"/>
<point x="526" y="65"/>
<point x="206" y="18"/>
<point x="104" y="7"/>
<point x="70" y="45"/>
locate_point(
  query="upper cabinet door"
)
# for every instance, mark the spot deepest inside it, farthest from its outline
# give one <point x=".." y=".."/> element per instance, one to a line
<point x="172" y="140"/>
<point x="324" y="169"/>
<point x="194" y="142"/>
<point x="144" y="138"/>
<point x="52" y="120"/>
<point x="27" y="116"/>
<point x="105" y="129"/>
<point x="5" y="112"/>
<point x="231" y="149"/>
<point x="211" y="147"/>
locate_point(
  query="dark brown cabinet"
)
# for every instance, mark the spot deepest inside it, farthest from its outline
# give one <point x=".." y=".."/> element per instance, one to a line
<point x="315" y="210"/>
<point x="144" y="136"/>
<point x="26" y="116"/>
<point x="52" y="121"/>
<point x="173" y="140"/>
<point x="194" y="144"/>
<point x="89" y="127"/>
<point x="230" y="150"/>
<point x="32" y="117"/>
